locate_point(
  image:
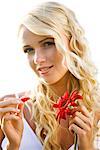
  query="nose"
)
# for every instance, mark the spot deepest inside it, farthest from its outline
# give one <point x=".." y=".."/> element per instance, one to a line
<point x="39" y="57"/>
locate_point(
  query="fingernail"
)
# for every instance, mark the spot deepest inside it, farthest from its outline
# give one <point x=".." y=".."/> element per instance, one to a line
<point x="18" y="110"/>
<point x="18" y="101"/>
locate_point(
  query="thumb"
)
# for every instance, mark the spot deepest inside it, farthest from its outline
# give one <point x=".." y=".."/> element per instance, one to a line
<point x="21" y="107"/>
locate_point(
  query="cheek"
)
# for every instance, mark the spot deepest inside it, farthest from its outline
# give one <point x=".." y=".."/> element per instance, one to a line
<point x="59" y="59"/>
<point x="61" y="62"/>
<point x="31" y="63"/>
<point x="65" y="63"/>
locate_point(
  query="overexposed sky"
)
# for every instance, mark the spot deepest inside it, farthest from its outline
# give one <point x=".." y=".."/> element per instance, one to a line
<point x="15" y="74"/>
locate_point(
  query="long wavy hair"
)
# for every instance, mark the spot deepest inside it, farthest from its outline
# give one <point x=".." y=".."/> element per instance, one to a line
<point x="59" y="22"/>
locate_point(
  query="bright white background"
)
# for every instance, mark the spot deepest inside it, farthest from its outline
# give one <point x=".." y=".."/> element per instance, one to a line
<point x="15" y="74"/>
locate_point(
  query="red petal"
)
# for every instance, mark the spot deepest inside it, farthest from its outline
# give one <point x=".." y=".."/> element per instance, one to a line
<point x="68" y="111"/>
<point x="74" y="93"/>
<point x="62" y="115"/>
<point x="24" y="99"/>
<point x="55" y="105"/>
<point x="64" y="104"/>
<point x="66" y="95"/>
<point x="76" y="97"/>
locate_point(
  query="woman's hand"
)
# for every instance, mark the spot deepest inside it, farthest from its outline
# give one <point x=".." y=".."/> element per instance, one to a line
<point x="1" y="136"/>
<point x="11" y="120"/>
<point x="82" y="124"/>
<point x="65" y="137"/>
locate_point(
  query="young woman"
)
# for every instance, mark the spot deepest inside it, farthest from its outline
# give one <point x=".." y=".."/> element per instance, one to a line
<point x="57" y="52"/>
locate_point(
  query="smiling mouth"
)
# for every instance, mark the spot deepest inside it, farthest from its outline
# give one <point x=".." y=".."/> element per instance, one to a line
<point x="44" y="70"/>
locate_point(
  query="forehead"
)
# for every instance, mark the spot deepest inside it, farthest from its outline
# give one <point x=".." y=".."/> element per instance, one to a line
<point x="27" y="37"/>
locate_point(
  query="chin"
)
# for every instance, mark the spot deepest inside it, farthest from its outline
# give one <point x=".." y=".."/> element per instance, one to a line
<point x="48" y="82"/>
<point x="51" y="82"/>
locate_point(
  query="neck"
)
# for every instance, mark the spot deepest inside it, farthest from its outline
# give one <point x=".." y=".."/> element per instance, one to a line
<point x="67" y="83"/>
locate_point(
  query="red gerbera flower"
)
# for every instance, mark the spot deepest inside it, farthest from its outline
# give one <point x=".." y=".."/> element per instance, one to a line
<point x="66" y="104"/>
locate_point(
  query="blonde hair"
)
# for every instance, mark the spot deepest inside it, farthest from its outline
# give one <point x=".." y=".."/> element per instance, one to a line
<point x="54" y="19"/>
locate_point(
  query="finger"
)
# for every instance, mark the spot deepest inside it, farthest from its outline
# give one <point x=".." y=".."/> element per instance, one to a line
<point x="85" y="119"/>
<point x="80" y="123"/>
<point x="78" y="108"/>
<point x="9" y="101"/>
<point x="9" y="117"/>
<point x="9" y="109"/>
<point x="75" y="129"/>
<point x="5" y="96"/>
<point x="20" y="107"/>
<point x="23" y="94"/>
<point x="0" y="121"/>
<point x="84" y="110"/>
<point x="6" y="122"/>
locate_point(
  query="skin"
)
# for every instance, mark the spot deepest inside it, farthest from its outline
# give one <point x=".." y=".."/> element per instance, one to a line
<point x="46" y="62"/>
<point x="42" y="53"/>
<point x="11" y="120"/>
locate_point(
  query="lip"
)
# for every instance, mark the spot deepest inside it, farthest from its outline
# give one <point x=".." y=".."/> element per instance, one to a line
<point x="44" y="70"/>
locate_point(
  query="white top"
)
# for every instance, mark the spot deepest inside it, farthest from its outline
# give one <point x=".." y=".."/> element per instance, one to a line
<point x="29" y="140"/>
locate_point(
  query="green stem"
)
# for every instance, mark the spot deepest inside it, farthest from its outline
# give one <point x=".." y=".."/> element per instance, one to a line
<point x="75" y="141"/>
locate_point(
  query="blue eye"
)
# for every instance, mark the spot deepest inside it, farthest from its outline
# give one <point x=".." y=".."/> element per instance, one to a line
<point x="28" y="50"/>
<point x="46" y="44"/>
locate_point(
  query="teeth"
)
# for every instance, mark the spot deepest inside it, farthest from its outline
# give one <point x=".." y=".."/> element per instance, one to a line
<point x="44" y="69"/>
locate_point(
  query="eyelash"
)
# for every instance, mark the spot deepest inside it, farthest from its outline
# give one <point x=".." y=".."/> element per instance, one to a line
<point x="28" y="50"/>
<point x="48" y="43"/>
<point x="45" y="44"/>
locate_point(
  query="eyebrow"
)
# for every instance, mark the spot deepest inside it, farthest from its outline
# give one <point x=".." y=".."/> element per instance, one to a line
<point x="39" y="41"/>
<point x="45" y="39"/>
